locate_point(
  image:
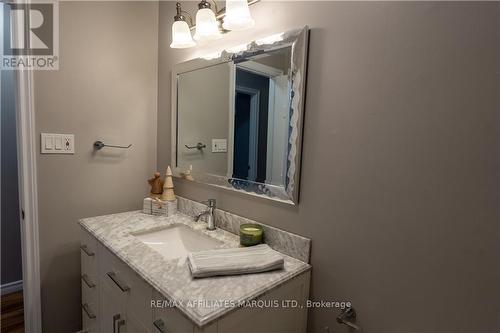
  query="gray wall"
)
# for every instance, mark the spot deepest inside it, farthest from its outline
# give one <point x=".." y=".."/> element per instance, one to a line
<point x="401" y="164"/>
<point x="106" y="88"/>
<point x="196" y="126"/>
<point x="10" y="225"/>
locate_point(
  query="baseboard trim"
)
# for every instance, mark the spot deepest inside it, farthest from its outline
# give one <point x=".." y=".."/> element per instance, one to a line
<point x="11" y="287"/>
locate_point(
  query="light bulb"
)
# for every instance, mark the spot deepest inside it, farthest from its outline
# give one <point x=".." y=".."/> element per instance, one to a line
<point x="181" y="36"/>
<point x="206" y="25"/>
<point x="237" y="15"/>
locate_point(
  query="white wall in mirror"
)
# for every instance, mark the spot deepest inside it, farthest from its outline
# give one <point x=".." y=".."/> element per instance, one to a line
<point x="204" y="98"/>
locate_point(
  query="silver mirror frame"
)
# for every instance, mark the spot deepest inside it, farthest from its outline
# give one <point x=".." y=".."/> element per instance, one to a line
<point x="289" y="194"/>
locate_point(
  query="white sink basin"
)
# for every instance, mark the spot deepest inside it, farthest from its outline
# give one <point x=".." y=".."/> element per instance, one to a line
<point x="177" y="241"/>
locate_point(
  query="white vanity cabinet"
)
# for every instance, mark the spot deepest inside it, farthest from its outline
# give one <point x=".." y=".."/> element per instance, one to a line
<point x="169" y="319"/>
<point x="263" y="318"/>
<point x="125" y="297"/>
<point x="116" y="300"/>
<point x="288" y="317"/>
<point x="90" y="282"/>
<point x="116" y="316"/>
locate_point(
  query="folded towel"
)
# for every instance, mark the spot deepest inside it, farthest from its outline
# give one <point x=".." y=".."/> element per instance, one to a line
<point x="246" y="260"/>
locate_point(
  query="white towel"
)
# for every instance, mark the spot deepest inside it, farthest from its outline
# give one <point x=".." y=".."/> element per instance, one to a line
<point x="246" y="260"/>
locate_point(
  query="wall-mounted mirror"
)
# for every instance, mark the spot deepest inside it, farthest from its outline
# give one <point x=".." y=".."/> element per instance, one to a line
<point x="237" y="118"/>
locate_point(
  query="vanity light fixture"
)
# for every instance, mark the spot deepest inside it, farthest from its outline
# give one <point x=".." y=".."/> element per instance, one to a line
<point x="206" y="23"/>
<point x="237" y="16"/>
<point x="210" y="23"/>
<point x="181" y="34"/>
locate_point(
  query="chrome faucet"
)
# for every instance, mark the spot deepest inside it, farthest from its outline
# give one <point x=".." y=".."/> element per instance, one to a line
<point x="209" y="213"/>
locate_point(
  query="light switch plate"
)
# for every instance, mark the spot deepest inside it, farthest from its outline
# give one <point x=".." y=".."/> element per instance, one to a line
<point x="219" y="145"/>
<point x="51" y="143"/>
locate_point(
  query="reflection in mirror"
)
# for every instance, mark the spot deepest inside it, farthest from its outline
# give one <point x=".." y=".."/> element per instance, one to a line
<point x="203" y="104"/>
<point x="238" y="119"/>
<point x="261" y="118"/>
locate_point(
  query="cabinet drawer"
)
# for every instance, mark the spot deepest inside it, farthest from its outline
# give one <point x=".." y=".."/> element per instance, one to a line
<point x="139" y="299"/>
<point x="135" y="293"/>
<point x="90" y="322"/>
<point x="170" y="319"/>
<point x="112" y="274"/>
<point x="279" y="319"/>
<point x="90" y="289"/>
<point x="111" y="308"/>
<point x="88" y="253"/>
<point x="133" y="326"/>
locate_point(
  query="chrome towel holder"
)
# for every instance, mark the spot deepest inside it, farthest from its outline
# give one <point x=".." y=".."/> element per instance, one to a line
<point x="198" y="146"/>
<point x="346" y="317"/>
<point x="98" y="145"/>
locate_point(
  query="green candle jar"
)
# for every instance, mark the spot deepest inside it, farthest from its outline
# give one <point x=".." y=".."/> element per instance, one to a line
<point x="250" y="234"/>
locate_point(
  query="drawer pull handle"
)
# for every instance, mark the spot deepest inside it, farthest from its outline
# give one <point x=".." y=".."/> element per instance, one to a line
<point x="120" y="324"/>
<point x="115" y="318"/>
<point x="88" y="312"/>
<point x="87" y="281"/>
<point x="160" y="326"/>
<point x="87" y="251"/>
<point x="112" y="276"/>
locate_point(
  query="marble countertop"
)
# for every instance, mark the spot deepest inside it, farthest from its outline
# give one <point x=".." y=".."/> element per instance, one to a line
<point x="201" y="300"/>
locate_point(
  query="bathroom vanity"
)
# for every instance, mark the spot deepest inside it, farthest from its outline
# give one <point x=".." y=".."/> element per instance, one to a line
<point x="132" y="281"/>
<point x="237" y="125"/>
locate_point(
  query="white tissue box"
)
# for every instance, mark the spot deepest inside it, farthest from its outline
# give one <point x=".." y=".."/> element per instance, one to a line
<point x="147" y="206"/>
<point x="163" y="208"/>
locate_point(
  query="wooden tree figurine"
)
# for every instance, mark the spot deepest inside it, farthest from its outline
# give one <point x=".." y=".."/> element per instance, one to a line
<point x="156" y="184"/>
<point x="168" y="187"/>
